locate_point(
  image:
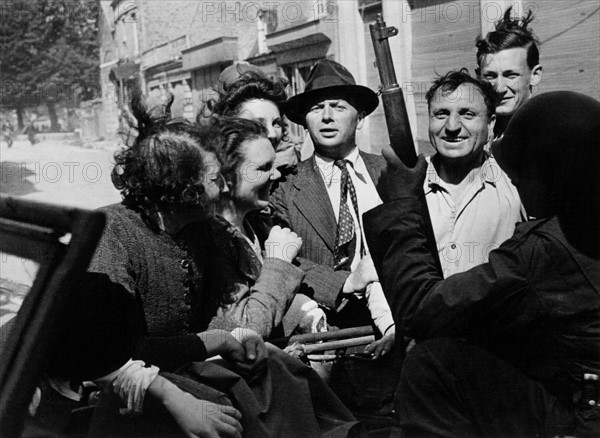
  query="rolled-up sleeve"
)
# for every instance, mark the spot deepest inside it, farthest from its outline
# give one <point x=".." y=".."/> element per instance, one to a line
<point x="263" y="304"/>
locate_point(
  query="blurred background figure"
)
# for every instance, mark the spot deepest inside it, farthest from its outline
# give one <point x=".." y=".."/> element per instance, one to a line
<point x="246" y="92"/>
<point x="7" y="133"/>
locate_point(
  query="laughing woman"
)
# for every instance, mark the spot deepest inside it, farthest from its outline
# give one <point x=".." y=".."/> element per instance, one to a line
<point x="259" y="289"/>
<point x="135" y="324"/>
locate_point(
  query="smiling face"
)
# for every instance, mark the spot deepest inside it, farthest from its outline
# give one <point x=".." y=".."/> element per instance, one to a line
<point x="459" y="125"/>
<point x="267" y="114"/>
<point x="332" y="124"/>
<point x="509" y="73"/>
<point x="255" y="174"/>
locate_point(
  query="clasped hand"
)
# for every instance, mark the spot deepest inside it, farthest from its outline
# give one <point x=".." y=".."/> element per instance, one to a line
<point x="244" y="348"/>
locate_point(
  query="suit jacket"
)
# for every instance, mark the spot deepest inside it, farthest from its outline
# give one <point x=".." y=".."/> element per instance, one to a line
<point x="302" y="204"/>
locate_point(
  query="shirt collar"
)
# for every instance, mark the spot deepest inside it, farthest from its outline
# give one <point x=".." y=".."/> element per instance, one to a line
<point x="327" y="168"/>
<point x="488" y="173"/>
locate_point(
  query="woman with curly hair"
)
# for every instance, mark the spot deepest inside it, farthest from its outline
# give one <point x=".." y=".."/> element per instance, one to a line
<point x="138" y="327"/>
<point x="245" y="91"/>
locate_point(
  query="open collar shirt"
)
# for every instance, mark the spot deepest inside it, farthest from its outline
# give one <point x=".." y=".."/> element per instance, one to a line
<point x="486" y="216"/>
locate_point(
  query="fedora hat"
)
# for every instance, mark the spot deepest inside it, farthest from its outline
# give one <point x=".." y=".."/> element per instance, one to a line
<point x="328" y="79"/>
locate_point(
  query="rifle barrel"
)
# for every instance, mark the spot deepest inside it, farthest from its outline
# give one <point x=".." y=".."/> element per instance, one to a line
<point x="396" y="115"/>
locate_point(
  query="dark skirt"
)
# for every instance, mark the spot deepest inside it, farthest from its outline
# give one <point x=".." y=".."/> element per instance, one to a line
<point x="290" y="400"/>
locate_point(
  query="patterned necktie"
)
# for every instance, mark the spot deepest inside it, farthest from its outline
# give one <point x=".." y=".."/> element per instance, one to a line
<point x="345" y="227"/>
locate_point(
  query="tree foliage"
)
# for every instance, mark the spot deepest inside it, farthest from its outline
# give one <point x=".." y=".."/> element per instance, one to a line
<point x="50" y="53"/>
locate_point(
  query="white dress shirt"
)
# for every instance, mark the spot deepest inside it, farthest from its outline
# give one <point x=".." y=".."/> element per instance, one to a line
<point x="367" y="198"/>
<point x="366" y="193"/>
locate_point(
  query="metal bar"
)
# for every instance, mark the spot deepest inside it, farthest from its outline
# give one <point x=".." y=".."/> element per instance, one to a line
<point x="336" y="345"/>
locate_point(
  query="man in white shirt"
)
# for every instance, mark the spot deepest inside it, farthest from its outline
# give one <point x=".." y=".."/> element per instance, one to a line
<point x="473" y="205"/>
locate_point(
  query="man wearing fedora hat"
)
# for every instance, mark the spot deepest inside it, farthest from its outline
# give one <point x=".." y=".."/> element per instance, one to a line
<point x="324" y="201"/>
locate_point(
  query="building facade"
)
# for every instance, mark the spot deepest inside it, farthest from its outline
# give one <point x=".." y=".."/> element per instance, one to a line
<point x="180" y="47"/>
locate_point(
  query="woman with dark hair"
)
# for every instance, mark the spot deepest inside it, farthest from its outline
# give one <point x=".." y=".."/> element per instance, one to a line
<point x="246" y="92"/>
<point x="255" y="289"/>
<point x="137" y="326"/>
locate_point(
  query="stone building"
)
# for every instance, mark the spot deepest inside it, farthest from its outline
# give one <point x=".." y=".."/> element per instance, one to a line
<point x="181" y="46"/>
<point x="156" y="44"/>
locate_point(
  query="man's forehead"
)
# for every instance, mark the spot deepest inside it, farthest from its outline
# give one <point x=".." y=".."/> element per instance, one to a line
<point x="465" y="95"/>
<point x="509" y="59"/>
<point x="332" y="99"/>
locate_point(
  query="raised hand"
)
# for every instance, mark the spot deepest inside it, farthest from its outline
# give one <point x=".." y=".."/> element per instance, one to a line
<point x="282" y="244"/>
<point x="398" y="180"/>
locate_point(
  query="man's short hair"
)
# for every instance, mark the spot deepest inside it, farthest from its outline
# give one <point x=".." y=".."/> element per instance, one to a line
<point x="510" y="33"/>
<point x="455" y="78"/>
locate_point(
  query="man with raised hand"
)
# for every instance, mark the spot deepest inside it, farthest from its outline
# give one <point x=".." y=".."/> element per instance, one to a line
<point x="509" y="347"/>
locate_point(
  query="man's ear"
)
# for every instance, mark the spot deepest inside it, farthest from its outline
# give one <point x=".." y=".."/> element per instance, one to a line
<point x="536" y="76"/>
<point x="478" y="71"/>
<point x="361" y="120"/>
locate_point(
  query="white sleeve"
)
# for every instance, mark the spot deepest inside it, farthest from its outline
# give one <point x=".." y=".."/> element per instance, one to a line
<point x="379" y="308"/>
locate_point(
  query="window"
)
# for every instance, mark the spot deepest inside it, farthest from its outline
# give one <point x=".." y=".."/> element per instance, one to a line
<point x="296" y="75"/>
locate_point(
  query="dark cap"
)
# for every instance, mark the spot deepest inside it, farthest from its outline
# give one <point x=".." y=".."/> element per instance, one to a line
<point x="231" y="74"/>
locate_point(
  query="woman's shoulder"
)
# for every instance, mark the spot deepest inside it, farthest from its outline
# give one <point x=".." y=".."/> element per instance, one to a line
<point x="127" y="226"/>
<point x="119" y="210"/>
